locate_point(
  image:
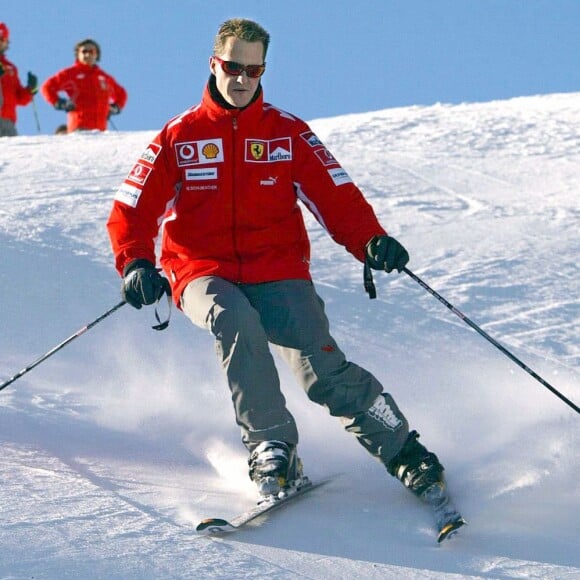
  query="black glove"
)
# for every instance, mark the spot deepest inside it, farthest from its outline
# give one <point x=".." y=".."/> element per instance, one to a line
<point x="32" y="83"/>
<point x="142" y="284"/>
<point x="114" y="109"/>
<point x="386" y="253"/>
<point x="64" y="105"/>
<point x="2" y="71"/>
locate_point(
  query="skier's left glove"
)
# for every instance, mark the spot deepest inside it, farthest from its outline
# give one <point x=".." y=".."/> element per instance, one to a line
<point x="386" y="253"/>
<point x="142" y="284"/>
<point x="114" y="109"/>
<point x="32" y="83"/>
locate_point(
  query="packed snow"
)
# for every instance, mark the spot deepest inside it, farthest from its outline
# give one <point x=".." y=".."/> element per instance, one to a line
<point x="117" y="445"/>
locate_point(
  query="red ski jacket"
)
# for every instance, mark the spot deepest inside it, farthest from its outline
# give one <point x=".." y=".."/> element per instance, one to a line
<point x="91" y="90"/>
<point x="12" y="93"/>
<point x="226" y="185"/>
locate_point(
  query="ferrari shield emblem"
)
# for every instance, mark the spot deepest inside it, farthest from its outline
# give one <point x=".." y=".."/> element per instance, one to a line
<point x="257" y="150"/>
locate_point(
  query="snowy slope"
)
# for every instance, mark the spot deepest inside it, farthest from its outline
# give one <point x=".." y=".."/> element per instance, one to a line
<point x="112" y="449"/>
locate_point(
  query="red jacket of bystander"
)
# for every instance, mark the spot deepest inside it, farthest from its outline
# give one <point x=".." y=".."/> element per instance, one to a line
<point x="90" y="89"/>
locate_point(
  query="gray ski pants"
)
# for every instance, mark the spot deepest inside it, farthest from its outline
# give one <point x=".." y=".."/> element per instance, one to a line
<point x="7" y="128"/>
<point x="246" y="318"/>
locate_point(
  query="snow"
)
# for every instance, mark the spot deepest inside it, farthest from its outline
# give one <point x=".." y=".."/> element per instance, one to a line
<point x="113" y="448"/>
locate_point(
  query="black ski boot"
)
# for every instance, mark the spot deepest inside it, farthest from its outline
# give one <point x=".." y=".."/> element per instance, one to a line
<point x="420" y="471"/>
<point x="417" y="468"/>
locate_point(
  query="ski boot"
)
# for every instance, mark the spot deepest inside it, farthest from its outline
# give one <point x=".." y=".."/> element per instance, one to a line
<point x="416" y="468"/>
<point x="420" y="471"/>
<point x="276" y="469"/>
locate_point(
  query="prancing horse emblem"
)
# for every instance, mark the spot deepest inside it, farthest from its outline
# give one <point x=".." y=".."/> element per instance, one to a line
<point x="257" y="150"/>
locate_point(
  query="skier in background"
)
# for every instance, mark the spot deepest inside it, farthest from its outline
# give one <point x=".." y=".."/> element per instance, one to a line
<point x="12" y="93"/>
<point x="92" y="95"/>
<point x="225" y="178"/>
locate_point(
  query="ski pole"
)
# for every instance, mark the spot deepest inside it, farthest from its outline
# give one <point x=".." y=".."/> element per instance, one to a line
<point x="61" y="345"/>
<point x="35" y="110"/>
<point x="491" y="340"/>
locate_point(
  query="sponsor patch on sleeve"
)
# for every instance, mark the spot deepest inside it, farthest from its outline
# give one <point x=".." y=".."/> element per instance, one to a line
<point x="128" y="194"/>
<point x="339" y="176"/>
<point x="311" y="138"/>
<point x="139" y="173"/>
<point x="325" y="157"/>
<point x="151" y="153"/>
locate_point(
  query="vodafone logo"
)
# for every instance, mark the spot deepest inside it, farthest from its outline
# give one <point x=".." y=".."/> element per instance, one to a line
<point x="199" y="152"/>
<point x="187" y="152"/>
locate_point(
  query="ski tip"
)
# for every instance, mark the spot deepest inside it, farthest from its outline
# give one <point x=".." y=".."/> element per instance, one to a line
<point x="450" y="529"/>
<point x="212" y="526"/>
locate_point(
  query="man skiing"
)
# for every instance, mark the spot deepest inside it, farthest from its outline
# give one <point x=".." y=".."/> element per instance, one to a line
<point x="225" y="178"/>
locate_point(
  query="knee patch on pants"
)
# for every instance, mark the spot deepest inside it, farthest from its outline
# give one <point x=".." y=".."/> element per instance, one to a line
<point x="385" y="411"/>
<point x="382" y="430"/>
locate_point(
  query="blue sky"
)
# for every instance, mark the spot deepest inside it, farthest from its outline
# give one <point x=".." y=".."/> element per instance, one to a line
<point x="327" y="57"/>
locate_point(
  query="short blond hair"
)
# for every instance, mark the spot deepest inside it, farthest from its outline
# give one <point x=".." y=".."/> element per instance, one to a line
<point x="243" y="29"/>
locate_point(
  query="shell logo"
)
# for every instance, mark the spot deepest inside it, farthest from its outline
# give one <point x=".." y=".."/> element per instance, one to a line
<point x="210" y="151"/>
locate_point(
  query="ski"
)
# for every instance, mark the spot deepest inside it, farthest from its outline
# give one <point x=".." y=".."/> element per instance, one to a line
<point x="448" y="520"/>
<point x="447" y="517"/>
<point x="219" y="525"/>
<point x="450" y="529"/>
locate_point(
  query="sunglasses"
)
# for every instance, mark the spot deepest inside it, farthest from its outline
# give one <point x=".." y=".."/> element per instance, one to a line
<point x="88" y="51"/>
<point x="230" y="67"/>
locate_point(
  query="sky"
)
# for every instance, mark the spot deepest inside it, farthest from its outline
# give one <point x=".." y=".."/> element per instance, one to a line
<point x="327" y="57"/>
<point x="113" y="449"/>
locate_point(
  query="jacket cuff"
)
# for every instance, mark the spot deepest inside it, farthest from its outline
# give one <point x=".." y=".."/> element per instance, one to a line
<point x="139" y="263"/>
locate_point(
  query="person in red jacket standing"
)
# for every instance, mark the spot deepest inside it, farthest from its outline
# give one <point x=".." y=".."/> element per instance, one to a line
<point x="12" y="93"/>
<point x="92" y="95"/>
<point x="225" y="178"/>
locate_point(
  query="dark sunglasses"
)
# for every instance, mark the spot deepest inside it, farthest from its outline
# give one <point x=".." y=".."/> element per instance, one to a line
<point x="230" y="67"/>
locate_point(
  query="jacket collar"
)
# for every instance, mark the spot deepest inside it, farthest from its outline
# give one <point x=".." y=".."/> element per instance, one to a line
<point x="86" y="68"/>
<point x="218" y="107"/>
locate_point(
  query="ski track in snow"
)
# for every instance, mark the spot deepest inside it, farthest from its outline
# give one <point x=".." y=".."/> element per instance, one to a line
<point x="114" y="448"/>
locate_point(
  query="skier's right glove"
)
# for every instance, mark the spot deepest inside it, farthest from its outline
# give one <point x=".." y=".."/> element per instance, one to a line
<point x="142" y="284"/>
<point x="64" y="105"/>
